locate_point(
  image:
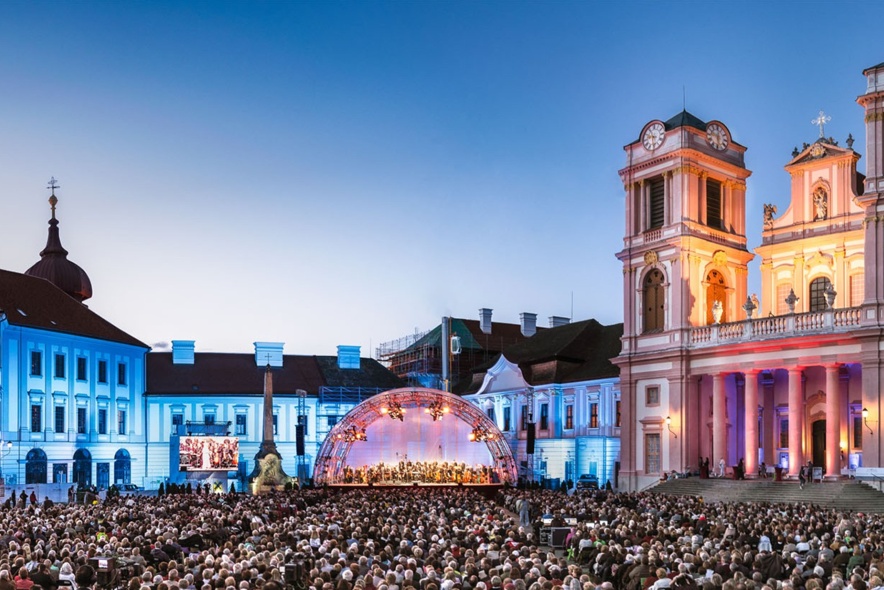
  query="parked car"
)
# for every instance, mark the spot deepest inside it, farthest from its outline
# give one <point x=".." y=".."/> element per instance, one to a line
<point x="127" y="489"/>
<point x="587" y="482"/>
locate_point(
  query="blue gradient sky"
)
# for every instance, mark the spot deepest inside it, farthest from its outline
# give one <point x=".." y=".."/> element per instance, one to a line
<point x="332" y="173"/>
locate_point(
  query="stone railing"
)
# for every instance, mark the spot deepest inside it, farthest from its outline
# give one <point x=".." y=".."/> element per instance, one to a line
<point x="814" y="322"/>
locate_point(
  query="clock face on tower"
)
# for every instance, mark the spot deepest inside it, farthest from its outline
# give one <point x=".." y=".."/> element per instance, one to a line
<point x="716" y="136"/>
<point x="653" y="136"/>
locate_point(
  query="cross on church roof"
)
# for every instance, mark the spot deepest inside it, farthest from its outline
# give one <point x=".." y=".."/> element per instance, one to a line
<point x="53" y="184"/>
<point x="821" y="121"/>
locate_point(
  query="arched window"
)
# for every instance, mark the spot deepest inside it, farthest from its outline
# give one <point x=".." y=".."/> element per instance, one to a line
<point x="122" y="467"/>
<point x="715" y="291"/>
<point x="35" y="466"/>
<point x="818" y="288"/>
<point x="653" y="301"/>
<point x="83" y="467"/>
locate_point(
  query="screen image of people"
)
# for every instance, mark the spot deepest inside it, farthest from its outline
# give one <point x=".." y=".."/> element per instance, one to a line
<point x="208" y="453"/>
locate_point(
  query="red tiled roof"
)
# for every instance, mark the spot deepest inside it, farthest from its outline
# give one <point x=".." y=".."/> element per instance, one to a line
<point x="238" y="374"/>
<point x="36" y="303"/>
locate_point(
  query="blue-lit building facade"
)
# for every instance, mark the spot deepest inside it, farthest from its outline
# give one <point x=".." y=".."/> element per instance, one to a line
<point x="71" y="383"/>
<point x="562" y="380"/>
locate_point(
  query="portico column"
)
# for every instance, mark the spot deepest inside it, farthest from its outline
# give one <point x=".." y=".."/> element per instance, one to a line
<point x="719" y="420"/>
<point x="833" y="421"/>
<point x="751" y="411"/>
<point x="796" y="421"/>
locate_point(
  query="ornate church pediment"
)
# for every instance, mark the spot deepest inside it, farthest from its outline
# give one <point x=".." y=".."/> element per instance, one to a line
<point x="818" y="150"/>
<point x="503" y="376"/>
<point x="819" y="259"/>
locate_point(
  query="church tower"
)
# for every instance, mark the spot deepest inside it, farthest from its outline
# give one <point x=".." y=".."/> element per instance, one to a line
<point x="685" y="257"/>
<point x="684" y="266"/>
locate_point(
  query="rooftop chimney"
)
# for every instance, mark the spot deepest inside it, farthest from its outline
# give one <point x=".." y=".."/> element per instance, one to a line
<point x="348" y="357"/>
<point x="529" y="323"/>
<point x="182" y="352"/>
<point x="556" y="320"/>
<point x="268" y="353"/>
<point x="485" y="320"/>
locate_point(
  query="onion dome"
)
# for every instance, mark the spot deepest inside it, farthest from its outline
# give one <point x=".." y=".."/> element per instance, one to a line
<point x="54" y="265"/>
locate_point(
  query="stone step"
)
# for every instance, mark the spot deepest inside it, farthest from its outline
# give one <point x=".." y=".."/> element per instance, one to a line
<point x="842" y="494"/>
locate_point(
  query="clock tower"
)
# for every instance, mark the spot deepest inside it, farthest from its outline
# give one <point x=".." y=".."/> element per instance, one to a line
<point x="684" y="265"/>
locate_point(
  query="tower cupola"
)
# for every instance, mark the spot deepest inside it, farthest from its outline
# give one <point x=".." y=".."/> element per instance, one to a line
<point x="54" y="265"/>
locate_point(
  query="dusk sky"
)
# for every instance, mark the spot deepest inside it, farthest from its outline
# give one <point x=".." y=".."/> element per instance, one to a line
<point x="324" y="173"/>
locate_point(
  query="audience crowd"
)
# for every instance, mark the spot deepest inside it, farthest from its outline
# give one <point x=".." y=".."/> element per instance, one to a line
<point x="435" y="539"/>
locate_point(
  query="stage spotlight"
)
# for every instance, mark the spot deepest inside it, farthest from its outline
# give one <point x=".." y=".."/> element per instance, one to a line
<point x="437" y="409"/>
<point x="395" y="411"/>
<point x="480" y="434"/>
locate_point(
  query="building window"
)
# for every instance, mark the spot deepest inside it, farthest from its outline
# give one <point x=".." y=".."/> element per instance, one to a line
<point x="121" y="421"/>
<point x="59" y="418"/>
<point x="653" y="300"/>
<point x="857" y="289"/>
<point x="784" y="433"/>
<point x="35" y="466"/>
<point x="209" y="418"/>
<point x="525" y="417"/>
<point x="177" y="423"/>
<point x="783" y="290"/>
<point x="59" y="366"/>
<point x="594" y="415"/>
<point x="36" y="417"/>
<point x="36" y="363"/>
<point x="569" y="416"/>
<point x="544" y="416"/>
<point x="715" y="291"/>
<point x="617" y="413"/>
<point x="275" y="425"/>
<point x="652" y="452"/>
<point x="713" y="203"/>
<point x="656" y="203"/>
<point x="506" y="418"/>
<point x="818" y="289"/>
<point x="102" y="371"/>
<point x="652" y="395"/>
<point x="121" y="373"/>
<point x="857" y="432"/>
<point x="81" y="368"/>
<point x="331" y="420"/>
<point x="490" y="413"/>
<point x="81" y="420"/>
<point x="102" y="421"/>
<point x="240" y="424"/>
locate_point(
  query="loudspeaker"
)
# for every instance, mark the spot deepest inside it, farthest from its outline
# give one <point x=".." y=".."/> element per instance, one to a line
<point x="299" y="439"/>
<point x="530" y="449"/>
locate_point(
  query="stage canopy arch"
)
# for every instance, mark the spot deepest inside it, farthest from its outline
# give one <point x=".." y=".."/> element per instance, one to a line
<point x="421" y="428"/>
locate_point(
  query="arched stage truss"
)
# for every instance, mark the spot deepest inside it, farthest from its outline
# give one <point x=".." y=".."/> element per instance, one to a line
<point x="333" y="453"/>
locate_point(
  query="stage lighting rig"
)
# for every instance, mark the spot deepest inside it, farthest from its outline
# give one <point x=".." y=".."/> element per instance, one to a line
<point x="437" y="409"/>
<point x="353" y="434"/>
<point x="394" y="411"/>
<point x="480" y="434"/>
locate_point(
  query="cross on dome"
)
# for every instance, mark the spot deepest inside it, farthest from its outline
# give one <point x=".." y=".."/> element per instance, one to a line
<point x="53" y="200"/>
<point x="821" y="121"/>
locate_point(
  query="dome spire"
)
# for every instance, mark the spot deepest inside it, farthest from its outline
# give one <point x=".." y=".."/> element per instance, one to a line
<point x="54" y="265"/>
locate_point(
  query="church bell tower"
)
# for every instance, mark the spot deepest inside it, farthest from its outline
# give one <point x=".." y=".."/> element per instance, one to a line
<point x="684" y="257"/>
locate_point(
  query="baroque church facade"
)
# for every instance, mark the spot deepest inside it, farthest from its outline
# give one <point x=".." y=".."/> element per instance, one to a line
<point x="789" y="378"/>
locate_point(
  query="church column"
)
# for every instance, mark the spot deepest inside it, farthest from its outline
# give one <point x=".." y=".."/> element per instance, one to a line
<point x="751" y="413"/>
<point x="719" y="420"/>
<point x="833" y="421"/>
<point x="796" y="421"/>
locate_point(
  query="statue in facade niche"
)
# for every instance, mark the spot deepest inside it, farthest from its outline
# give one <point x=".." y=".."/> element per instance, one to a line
<point x="820" y="204"/>
<point x="769" y="212"/>
<point x="717" y="311"/>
